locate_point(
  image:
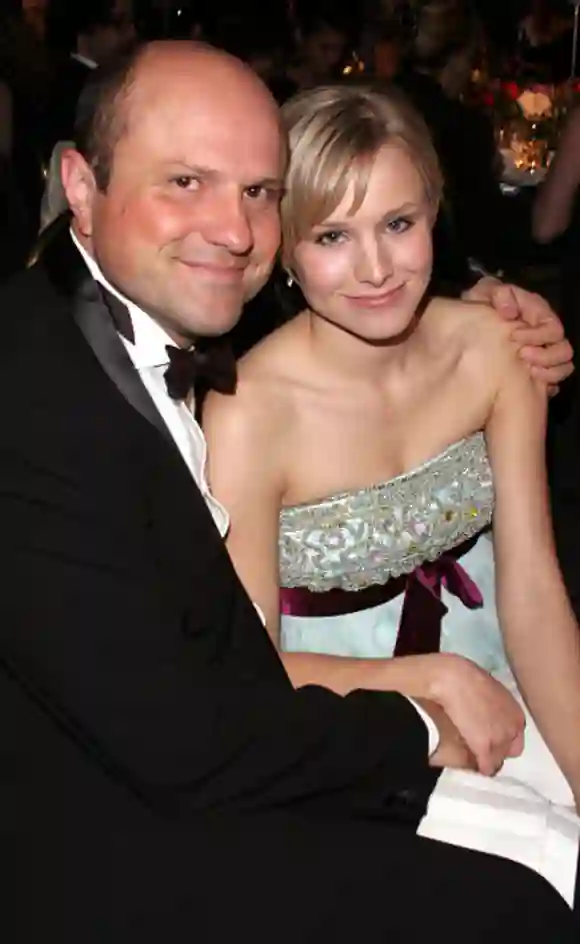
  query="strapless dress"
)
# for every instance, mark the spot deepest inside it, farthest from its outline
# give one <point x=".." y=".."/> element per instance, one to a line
<point x="406" y="567"/>
<point x="401" y="567"/>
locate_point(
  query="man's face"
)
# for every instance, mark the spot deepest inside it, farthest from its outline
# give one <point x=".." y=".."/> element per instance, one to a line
<point x="188" y="227"/>
<point x="324" y="50"/>
<point x="108" y="38"/>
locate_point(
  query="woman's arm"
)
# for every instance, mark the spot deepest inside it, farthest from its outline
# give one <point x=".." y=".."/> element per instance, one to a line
<point x="245" y="436"/>
<point x="540" y="631"/>
<point x="555" y="200"/>
<point x="245" y="472"/>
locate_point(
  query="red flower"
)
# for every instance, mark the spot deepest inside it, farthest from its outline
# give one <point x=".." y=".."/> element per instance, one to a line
<point x="488" y="99"/>
<point x="512" y="90"/>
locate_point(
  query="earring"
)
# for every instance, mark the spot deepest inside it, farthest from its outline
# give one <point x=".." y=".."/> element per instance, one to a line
<point x="290" y="281"/>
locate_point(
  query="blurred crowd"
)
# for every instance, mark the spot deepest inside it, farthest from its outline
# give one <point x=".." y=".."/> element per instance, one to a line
<point x="431" y="49"/>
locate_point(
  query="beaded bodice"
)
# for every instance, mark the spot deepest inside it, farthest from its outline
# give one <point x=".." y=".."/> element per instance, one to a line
<point x="355" y="539"/>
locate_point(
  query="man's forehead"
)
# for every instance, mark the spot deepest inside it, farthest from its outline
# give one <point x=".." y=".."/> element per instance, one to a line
<point x="219" y="89"/>
<point x="196" y="134"/>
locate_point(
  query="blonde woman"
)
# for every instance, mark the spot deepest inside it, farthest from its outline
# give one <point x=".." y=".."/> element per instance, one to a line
<point x="369" y="442"/>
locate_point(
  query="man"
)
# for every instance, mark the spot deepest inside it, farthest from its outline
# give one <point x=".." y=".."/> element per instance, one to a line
<point x="161" y="779"/>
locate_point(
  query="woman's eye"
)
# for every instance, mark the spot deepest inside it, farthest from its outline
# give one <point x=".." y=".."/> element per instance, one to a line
<point x="400" y="225"/>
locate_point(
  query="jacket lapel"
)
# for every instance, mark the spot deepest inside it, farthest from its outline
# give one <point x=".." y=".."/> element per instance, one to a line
<point x="92" y="314"/>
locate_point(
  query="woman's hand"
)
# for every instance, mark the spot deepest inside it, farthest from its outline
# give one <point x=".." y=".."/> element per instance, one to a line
<point x="488" y="718"/>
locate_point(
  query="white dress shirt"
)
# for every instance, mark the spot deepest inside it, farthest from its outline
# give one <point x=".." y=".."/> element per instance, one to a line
<point x="150" y="359"/>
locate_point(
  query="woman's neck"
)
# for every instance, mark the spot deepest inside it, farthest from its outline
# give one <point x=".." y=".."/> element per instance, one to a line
<point x="356" y="360"/>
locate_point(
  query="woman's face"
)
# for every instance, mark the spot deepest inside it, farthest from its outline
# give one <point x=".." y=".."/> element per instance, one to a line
<point x="366" y="272"/>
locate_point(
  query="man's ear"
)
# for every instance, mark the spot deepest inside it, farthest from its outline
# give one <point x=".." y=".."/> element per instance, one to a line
<point x="80" y="187"/>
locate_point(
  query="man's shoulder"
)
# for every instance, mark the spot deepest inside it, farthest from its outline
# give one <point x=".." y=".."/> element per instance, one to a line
<point x="31" y="284"/>
<point x="35" y="326"/>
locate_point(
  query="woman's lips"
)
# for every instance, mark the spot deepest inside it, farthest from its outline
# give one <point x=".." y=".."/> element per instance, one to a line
<point x="378" y="300"/>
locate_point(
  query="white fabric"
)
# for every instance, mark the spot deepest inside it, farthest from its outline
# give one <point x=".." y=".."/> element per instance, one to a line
<point x="432" y="728"/>
<point x="505" y="818"/>
<point x="524" y="813"/>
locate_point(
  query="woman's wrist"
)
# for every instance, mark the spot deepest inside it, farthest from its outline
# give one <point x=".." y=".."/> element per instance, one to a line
<point x="420" y="676"/>
<point x="439" y="672"/>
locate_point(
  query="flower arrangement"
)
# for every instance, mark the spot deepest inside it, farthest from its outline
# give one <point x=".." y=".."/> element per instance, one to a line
<point x="537" y="103"/>
<point x="538" y="111"/>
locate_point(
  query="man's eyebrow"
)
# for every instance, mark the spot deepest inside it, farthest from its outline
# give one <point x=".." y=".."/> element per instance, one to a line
<point x="276" y="182"/>
<point x="200" y="170"/>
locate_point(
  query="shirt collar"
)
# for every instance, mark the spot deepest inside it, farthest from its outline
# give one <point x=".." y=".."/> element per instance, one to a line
<point x="149" y="347"/>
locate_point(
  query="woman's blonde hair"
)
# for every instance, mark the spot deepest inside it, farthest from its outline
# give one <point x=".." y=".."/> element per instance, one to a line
<point x="335" y="133"/>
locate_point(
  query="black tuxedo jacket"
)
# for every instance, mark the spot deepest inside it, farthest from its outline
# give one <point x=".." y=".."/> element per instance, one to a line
<point x="159" y="776"/>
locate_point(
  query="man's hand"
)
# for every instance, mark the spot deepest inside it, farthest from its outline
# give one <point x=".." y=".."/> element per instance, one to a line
<point x="538" y="331"/>
<point x="452" y="750"/>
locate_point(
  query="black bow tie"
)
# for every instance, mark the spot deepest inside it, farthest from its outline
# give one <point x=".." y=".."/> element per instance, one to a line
<point x="210" y="365"/>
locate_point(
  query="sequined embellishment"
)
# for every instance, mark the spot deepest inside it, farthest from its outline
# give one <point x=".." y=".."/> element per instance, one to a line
<point x="356" y="539"/>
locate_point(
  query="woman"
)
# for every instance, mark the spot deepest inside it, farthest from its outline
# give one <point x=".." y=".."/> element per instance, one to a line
<point x="375" y="383"/>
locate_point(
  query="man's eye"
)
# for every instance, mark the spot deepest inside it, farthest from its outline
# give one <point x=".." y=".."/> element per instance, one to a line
<point x="185" y="182"/>
<point x="258" y="192"/>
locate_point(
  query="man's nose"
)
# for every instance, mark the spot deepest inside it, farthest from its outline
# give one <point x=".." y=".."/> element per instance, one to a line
<point x="227" y="223"/>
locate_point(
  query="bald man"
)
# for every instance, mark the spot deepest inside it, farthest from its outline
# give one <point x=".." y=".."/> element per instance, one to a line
<point x="160" y="779"/>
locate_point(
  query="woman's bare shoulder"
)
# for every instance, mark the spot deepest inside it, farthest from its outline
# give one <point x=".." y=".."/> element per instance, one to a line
<point x="262" y="403"/>
<point x="472" y="326"/>
<point x="476" y="343"/>
<point x="269" y="358"/>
